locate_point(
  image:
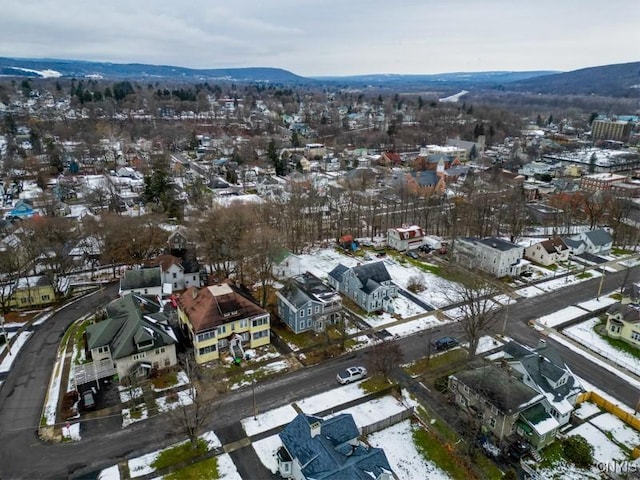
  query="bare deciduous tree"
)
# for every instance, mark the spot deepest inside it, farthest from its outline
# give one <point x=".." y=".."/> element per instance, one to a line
<point x="384" y="357"/>
<point x="477" y="311"/>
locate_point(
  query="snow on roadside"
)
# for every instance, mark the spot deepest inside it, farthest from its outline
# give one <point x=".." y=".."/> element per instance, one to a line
<point x="268" y="420"/>
<point x="266" y="450"/>
<point x="593" y="358"/>
<point x="129" y="393"/>
<point x="373" y="411"/>
<point x="561" y="316"/>
<point x="528" y="292"/>
<point x="18" y="343"/>
<point x="111" y="473"/>
<point x="485" y="343"/>
<point x="127" y="419"/>
<point x="414" y="326"/>
<point x="53" y="394"/>
<point x="227" y="469"/>
<point x="404" y="458"/>
<point x="594" y="304"/>
<point x="327" y="400"/>
<point x="72" y="432"/>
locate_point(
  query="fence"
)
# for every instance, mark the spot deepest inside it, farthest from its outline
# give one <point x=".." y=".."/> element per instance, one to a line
<point x="387" y="422"/>
<point x="603" y="353"/>
<point x="628" y="418"/>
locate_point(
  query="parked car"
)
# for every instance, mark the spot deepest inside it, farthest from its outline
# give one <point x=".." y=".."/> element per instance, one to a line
<point x="445" y="343"/>
<point x="413" y="255"/>
<point x="351" y="374"/>
<point x="88" y="400"/>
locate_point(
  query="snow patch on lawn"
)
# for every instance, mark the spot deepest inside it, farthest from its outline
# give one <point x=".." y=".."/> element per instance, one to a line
<point x="485" y="343"/>
<point x="181" y="379"/>
<point x="604" y="450"/>
<point x="72" y="432"/>
<point x="414" y="326"/>
<point x="529" y="292"/>
<point x="620" y="431"/>
<point x="372" y="411"/>
<point x="227" y="469"/>
<point x="18" y="343"/>
<point x="266" y="450"/>
<point x="268" y="420"/>
<point x="405" y="459"/>
<point x="594" y="304"/>
<point x="111" y="473"/>
<point x="129" y="393"/>
<point x="586" y="410"/>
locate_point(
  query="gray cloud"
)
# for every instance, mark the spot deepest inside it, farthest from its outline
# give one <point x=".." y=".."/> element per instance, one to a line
<point x="328" y="37"/>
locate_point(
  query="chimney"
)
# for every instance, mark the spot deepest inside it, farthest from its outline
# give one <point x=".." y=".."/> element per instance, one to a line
<point x="542" y="344"/>
<point x="315" y="428"/>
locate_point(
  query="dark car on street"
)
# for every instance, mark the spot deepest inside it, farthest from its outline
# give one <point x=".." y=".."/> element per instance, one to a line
<point x="445" y="343"/>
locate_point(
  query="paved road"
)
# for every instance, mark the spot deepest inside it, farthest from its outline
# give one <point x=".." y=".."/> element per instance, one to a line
<point x="104" y="443"/>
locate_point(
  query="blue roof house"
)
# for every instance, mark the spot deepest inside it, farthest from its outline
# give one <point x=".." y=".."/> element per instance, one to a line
<point x="369" y="285"/>
<point x="329" y="449"/>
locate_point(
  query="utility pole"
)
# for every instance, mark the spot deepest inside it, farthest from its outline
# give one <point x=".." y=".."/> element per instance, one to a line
<point x="255" y="407"/>
<point x="4" y="334"/>
<point x="600" y="286"/>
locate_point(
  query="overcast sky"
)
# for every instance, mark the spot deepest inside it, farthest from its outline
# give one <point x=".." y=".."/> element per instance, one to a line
<point x="328" y="37"/>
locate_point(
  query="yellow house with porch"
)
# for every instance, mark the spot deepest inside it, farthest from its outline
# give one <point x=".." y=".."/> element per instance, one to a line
<point x="222" y="319"/>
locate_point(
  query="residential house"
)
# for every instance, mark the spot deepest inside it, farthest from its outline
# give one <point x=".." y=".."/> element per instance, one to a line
<point x="179" y="239"/>
<point x="221" y="317"/>
<point x="405" y="238"/>
<point x="496" y="398"/>
<point x="369" y="285"/>
<point x="492" y="255"/>
<point x="22" y="209"/>
<point x="177" y="272"/>
<point x="390" y="159"/>
<point x="306" y="303"/>
<point x="317" y="448"/>
<point x="543" y="369"/>
<point x="623" y="322"/>
<point x="631" y="294"/>
<point x="135" y="338"/>
<point x="34" y="291"/>
<point x="598" y="242"/>
<point x="143" y="281"/>
<point x="548" y="252"/>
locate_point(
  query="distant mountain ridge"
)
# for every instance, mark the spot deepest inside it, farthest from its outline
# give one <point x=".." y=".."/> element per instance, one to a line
<point x="618" y="80"/>
<point x="48" y="68"/>
<point x="608" y="80"/>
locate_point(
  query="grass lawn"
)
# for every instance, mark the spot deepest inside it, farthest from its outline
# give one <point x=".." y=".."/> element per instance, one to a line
<point x="165" y="380"/>
<point x="437" y="362"/>
<point x="616" y="342"/>
<point x="552" y="454"/>
<point x="179" y="453"/>
<point x="621" y="251"/>
<point x="375" y="384"/>
<point x="442" y="455"/>
<point x="584" y="275"/>
<point x="205" y="470"/>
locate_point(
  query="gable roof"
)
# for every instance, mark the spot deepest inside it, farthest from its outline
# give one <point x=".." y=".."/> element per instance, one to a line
<point x="499" y="244"/>
<point x="371" y="275"/>
<point x="628" y="312"/>
<point x="147" y="277"/>
<point x="554" y="245"/>
<point x="165" y="261"/>
<point x="333" y="454"/>
<point x="599" y="237"/>
<point x="212" y="306"/>
<point x="504" y="391"/>
<point x="128" y="324"/>
<point x="338" y="272"/>
<point x="304" y="288"/>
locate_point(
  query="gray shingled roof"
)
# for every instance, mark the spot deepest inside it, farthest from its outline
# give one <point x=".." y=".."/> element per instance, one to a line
<point x="329" y="455"/>
<point x="629" y="313"/>
<point x="599" y="237"/>
<point x="148" y="277"/>
<point x="338" y="272"/>
<point x="127" y="326"/>
<point x="504" y="391"/>
<point x="375" y="271"/>
<point x="499" y="244"/>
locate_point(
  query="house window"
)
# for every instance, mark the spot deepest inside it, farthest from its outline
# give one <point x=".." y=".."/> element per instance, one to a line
<point x="23" y="300"/>
<point x="492" y="422"/>
<point x="167" y="362"/>
<point x="175" y="275"/>
<point x="465" y="388"/>
<point x="146" y="291"/>
<point x="45" y="298"/>
<point x="223" y="342"/>
<point x="244" y="323"/>
<point x="206" y="335"/>
<point x="259" y="321"/>
<point x="309" y="311"/>
<point x="222" y="329"/>
<point x="635" y="336"/>
<point x="463" y="401"/>
<point x="301" y="313"/>
<point x="207" y="349"/>
<point x="175" y="285"/>
<point x="194" y="278"/>
<point x="159" y="351"/>
<point x="260" y="334"/>
<point x="615" y="328"/>
<point x="138" y="356"/>
<point x="317" y="309"/>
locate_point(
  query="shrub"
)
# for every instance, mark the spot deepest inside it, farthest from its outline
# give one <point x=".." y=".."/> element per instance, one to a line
<point x="578" y="451"/>
<point x="416" y="284"/>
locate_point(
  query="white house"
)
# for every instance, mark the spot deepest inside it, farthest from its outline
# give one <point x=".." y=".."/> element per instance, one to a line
<point x="492" y="255"/>
<point x="548" y="252"/>
<point x="177" y="272"/>
<point x="597" y="241"/>
<point x="405" y="238"/>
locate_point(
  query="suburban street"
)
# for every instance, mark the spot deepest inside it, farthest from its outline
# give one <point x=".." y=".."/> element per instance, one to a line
<point x="104" y="442"/>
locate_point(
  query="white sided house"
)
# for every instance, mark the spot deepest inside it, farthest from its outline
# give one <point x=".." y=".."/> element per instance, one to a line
<point x="405" y="238"/>
<point x="548" y="252"/>
<point x="492" y="255"/>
